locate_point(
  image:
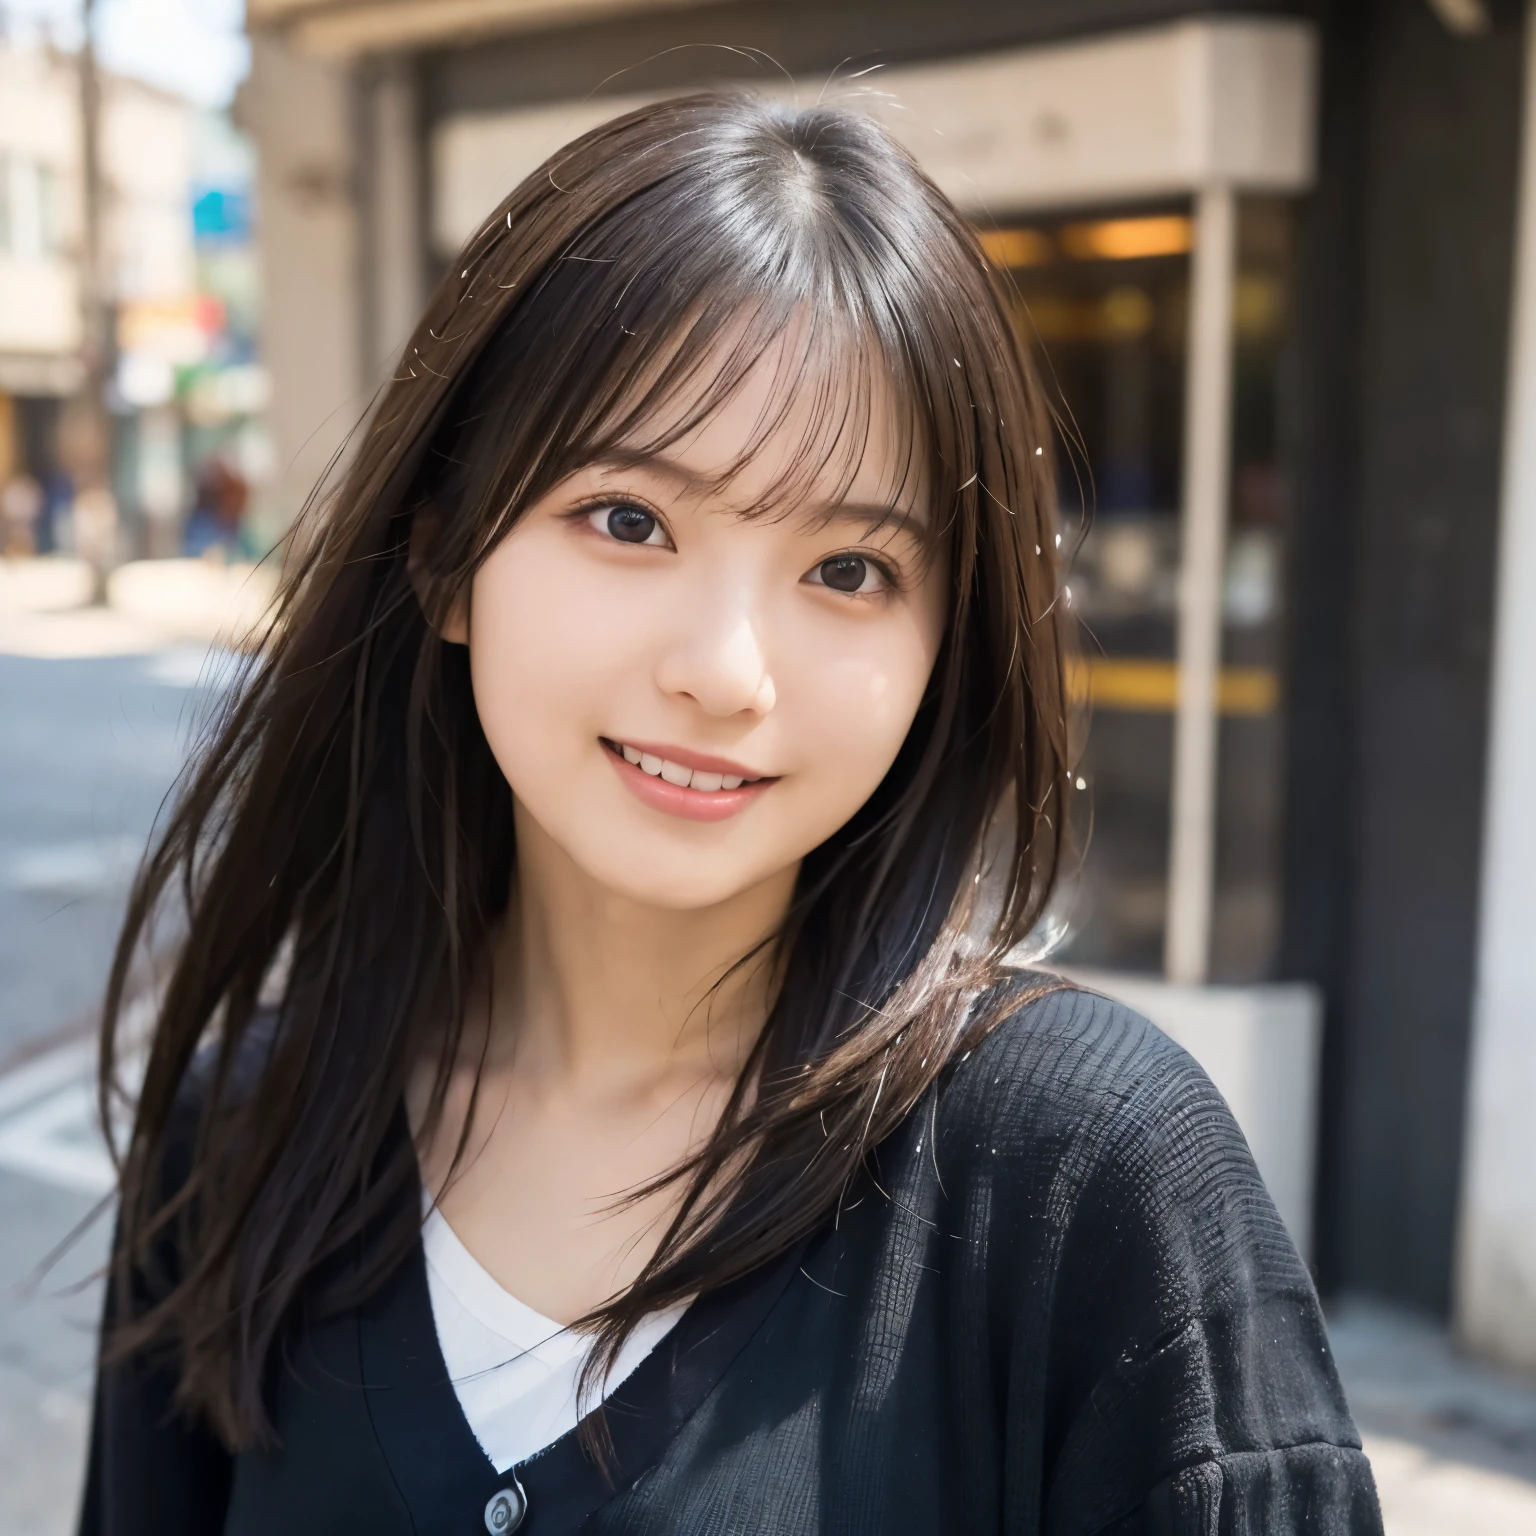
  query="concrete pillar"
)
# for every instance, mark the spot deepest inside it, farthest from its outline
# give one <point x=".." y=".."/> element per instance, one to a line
<point x="301" y="112"/>
<point x="1496" y="1258"/>
<point x="393" y="217"/>
<point x="1203" y="540"/>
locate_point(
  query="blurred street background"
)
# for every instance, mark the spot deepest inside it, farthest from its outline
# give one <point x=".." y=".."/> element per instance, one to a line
<point x="1278" y="259"/>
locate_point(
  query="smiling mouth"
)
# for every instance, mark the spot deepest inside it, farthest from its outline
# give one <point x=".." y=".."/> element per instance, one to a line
<point x="677" y="774"/>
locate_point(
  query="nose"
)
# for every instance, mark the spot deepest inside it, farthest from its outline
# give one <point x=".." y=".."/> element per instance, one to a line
<point x="718" y="659"/>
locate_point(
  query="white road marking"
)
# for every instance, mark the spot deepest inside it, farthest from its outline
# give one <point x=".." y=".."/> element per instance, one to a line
<point x="69" y="1063"/>
<point x="48" y="1125"/>
<point x="57" y="1141"/>
<point x="80" y="868"/>
<point x="190" y="666"/>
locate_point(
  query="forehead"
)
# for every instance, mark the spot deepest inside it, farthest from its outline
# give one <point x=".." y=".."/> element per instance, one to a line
<point x="803" y="420"/>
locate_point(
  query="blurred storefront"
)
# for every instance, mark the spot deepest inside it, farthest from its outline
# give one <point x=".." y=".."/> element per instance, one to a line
<point x="40" y="312"/>
<point x="183" y="383"/>
<point x="1269" y="252"/>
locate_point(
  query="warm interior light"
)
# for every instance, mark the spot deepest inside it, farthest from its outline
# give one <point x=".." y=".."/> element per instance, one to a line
<point x="1140" y="686"/>
<point x="1128" y="239"/>
<point x="1017" y="247"/>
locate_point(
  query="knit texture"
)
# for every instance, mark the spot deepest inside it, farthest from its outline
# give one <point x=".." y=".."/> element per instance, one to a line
<point x="1060" y="1302"/>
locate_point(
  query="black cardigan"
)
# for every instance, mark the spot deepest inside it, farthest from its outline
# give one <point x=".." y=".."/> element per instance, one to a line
<point x="1062" y="1302"/>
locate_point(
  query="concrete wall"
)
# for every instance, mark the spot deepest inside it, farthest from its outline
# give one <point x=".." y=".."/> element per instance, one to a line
<point x="1142" y="115"/>
<point x="392" y="212"/>
<point x="1496" y="1290"/>
<point x="300" y="110"/>
<point x="1396" y="418"/>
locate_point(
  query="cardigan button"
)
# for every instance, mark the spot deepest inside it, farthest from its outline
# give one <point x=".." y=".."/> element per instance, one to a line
<point x="505" y="1512"/>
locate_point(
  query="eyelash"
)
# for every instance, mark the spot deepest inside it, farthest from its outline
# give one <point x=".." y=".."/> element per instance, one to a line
<point x="887" y="573"/>
<point x="892" y="582"/>
<point x="586" y="509"/>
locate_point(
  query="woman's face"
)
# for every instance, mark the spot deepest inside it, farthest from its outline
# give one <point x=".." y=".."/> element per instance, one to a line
<point x="685" y="700"/>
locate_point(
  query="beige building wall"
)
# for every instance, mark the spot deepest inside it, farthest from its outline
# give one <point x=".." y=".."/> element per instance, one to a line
<point x="299" y="108"/>
<point x="146" y="141"/>
<point x="39" y="293"/>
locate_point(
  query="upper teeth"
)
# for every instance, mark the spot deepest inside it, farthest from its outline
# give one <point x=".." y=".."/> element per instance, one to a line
<point x="675" y="773"/>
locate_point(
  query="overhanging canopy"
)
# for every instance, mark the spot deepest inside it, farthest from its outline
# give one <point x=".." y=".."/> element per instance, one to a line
<point x="377" y="26"/>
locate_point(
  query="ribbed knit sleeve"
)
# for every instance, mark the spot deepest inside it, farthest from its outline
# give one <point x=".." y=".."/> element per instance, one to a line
<point x="149" y="1470"/>
<point x="1322" y="1488"/>
<point x="1190" y="1389"/>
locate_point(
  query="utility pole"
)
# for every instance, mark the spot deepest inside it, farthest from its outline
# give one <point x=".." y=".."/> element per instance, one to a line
<point x="87" y="436"/>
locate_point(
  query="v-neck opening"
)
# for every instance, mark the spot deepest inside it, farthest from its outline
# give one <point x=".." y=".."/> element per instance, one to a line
<point x="479" y="1292"/>
<point x="442" y="1472"/>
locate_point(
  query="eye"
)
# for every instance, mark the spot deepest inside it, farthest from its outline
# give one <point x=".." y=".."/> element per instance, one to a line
<point x="628" y="523"/>
<point x="849" y="573"/>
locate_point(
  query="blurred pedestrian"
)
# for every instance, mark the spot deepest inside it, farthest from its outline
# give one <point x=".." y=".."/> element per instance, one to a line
<point x="21" y="506"/>
<point x="214" y="525"/>
<point x="54" y="533"/>
<point x="95" y="525"/>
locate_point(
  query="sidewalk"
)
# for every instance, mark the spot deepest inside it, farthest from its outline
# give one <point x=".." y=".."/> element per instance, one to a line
<point x="1452" y="1441"/>
<point x="45" y="607"/>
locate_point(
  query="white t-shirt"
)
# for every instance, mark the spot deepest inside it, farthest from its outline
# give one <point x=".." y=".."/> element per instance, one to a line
<point x="515" y="1371"/>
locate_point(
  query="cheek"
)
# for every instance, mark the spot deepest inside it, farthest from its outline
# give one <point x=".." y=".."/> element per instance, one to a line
<point x="866" y="703"/>
<point x="545" y="649"/>
<point x="854" y="704"/>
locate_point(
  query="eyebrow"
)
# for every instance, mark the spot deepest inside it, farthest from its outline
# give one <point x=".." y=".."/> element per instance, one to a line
<point x="871" y="515"/>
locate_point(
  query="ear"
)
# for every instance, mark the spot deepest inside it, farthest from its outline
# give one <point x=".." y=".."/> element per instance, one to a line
<point x="425" y="525"/>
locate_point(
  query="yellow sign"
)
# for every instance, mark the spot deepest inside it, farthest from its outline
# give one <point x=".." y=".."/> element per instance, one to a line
<point x="1152" y="687"/>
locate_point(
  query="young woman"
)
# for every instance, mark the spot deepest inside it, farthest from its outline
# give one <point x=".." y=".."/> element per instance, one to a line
<point x="591" y="1091"/>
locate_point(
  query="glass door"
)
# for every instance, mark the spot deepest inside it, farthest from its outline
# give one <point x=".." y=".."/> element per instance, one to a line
<point x="1104" y="298"/>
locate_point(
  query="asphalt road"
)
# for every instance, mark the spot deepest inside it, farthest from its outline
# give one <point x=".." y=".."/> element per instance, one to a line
<point x="88" y="749"/>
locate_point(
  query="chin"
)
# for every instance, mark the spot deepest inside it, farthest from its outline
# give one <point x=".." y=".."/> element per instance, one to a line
<point x="681" y="885"/>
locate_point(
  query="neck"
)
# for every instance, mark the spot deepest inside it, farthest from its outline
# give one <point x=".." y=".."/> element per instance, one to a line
<point x="595" y="985"/>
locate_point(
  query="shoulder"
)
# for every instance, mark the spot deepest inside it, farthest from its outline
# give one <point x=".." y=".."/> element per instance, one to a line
<point x="1077" y="1108"/>
<point x="1133" y="1271"/>
<point x="1062" y="1061"/>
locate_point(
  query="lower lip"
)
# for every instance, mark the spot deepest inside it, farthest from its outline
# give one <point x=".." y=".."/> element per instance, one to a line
<point x="677" y="800"/>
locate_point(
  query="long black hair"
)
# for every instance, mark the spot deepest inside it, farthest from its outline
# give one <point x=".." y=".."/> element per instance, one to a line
<point x="347" y="812"/>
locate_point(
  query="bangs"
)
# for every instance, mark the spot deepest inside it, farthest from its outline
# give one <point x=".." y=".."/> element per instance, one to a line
<point x="829" y="391"/>
<point x="657" y="315"/>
